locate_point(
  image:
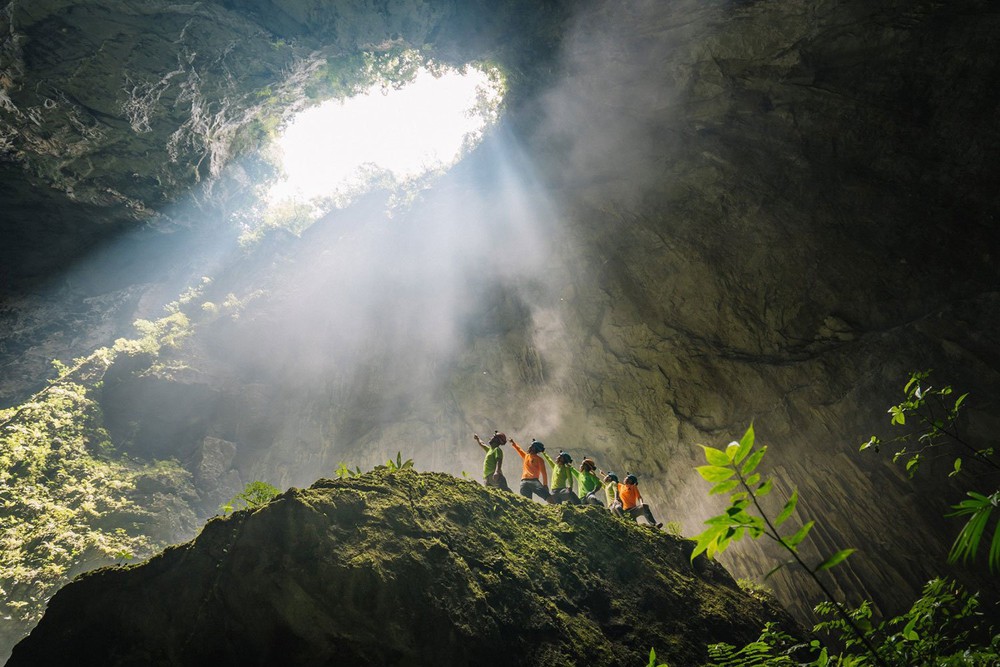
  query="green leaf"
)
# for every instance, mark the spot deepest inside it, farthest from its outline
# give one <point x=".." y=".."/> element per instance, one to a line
<point x="753" y="480"/>
<point x="765" y="488"/>
<point x="908" y="632"/>
<point x="731" y="450"/>
<point x="746" y="444"/>
<point x="959" y="401"/>
<point x="753" y="461"/>
<point x="834" y="559"/>
<point x="958" y="467"/>
<point x="994" y="555"/>
<point x="873" y="443"/>
<point x="724" y="487"/>
<point x="715" y="473"/>
<point x="797" y="538"/>
<point x="706" y="541"/>
<point x="715" y="457"/>
<point x="898" y="415"/>
<point x="966" y="545"/>
<point x="787" y="510"/>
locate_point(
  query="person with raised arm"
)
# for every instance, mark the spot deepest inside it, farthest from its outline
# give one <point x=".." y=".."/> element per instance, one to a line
<point x="534" y="476"/>
<point x="493" y="463"/>
<point x="562" y="478"/>
<point x="588" y="482"/>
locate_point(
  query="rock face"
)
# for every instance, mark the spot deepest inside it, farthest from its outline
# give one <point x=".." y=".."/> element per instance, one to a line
<point x="697" y="214"/>
<point x="402" y="568"/>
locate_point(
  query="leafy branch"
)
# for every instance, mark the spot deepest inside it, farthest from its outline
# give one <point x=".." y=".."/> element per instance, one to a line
<point x="933" y="418"/>
<point x="734" y="470"/>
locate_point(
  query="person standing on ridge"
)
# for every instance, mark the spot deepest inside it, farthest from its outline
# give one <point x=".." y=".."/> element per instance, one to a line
<point x="562" y="478"/>
<point x="534" y="477"/>
<point x="493" y="464"/>
<point x="632" y="502"/>
<point x="588" y="482"/>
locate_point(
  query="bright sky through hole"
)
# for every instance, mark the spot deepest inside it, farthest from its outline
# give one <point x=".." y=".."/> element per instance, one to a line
<point x="420" y="127"/>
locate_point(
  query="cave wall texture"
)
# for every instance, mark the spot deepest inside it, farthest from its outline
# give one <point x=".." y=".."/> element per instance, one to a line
<point x="693" y="215"/>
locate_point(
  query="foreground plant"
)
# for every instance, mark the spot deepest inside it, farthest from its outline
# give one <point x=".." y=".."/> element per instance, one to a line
<point x="734" y="470"/>
<point x="943" y="628"/>
<point x="929" y="418"/>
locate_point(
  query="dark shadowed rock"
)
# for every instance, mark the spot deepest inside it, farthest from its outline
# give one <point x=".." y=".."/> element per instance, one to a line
<point x="402" y="568"/>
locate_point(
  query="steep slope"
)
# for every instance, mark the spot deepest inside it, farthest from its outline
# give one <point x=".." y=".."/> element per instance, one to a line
<point x="402" y="568"/>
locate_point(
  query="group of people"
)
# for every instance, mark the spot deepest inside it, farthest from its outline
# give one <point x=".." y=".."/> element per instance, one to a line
<point x="576" y="486"/>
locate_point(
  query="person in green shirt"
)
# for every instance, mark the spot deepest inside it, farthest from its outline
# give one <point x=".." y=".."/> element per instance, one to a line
<point x="493" y="463"/>
<point x="611" y="491"/>
<point x="562" y="478"/>
<point x="588" y="482"/>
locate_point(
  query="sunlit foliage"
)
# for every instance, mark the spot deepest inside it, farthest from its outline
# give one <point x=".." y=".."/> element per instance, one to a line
<point x="66" y="502"/>
<point x="255" y="494"/>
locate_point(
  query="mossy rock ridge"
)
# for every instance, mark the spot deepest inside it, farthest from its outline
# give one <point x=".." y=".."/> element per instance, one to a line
<point x="403" y="568"/>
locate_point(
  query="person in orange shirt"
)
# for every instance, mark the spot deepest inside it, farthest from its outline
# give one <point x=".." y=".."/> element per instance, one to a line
<point x="534" y="476"/>
<point x="632" y="502"/>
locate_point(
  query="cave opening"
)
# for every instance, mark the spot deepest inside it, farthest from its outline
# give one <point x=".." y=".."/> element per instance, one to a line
<point x="397" y="133"/>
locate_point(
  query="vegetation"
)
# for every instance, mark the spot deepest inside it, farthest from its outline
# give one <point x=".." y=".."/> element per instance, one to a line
<point x="255" y="494"/>
<point x="735" y="470"/>
<point x="929" y="417"/>
<point x="66" y="502"/>
<point x="943" y="627"/>
<point x="344" y="76"/>
<point x="343" y="471"/>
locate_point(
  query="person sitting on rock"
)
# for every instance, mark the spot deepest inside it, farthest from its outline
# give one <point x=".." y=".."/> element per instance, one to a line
<point x="534" y="476"/>
<point x="562" y="479"/>
<point x="493" y="464"/>
<point x="588" y="482"/>
<point x="611" y="492"/>
<point x="632" y="502"/>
